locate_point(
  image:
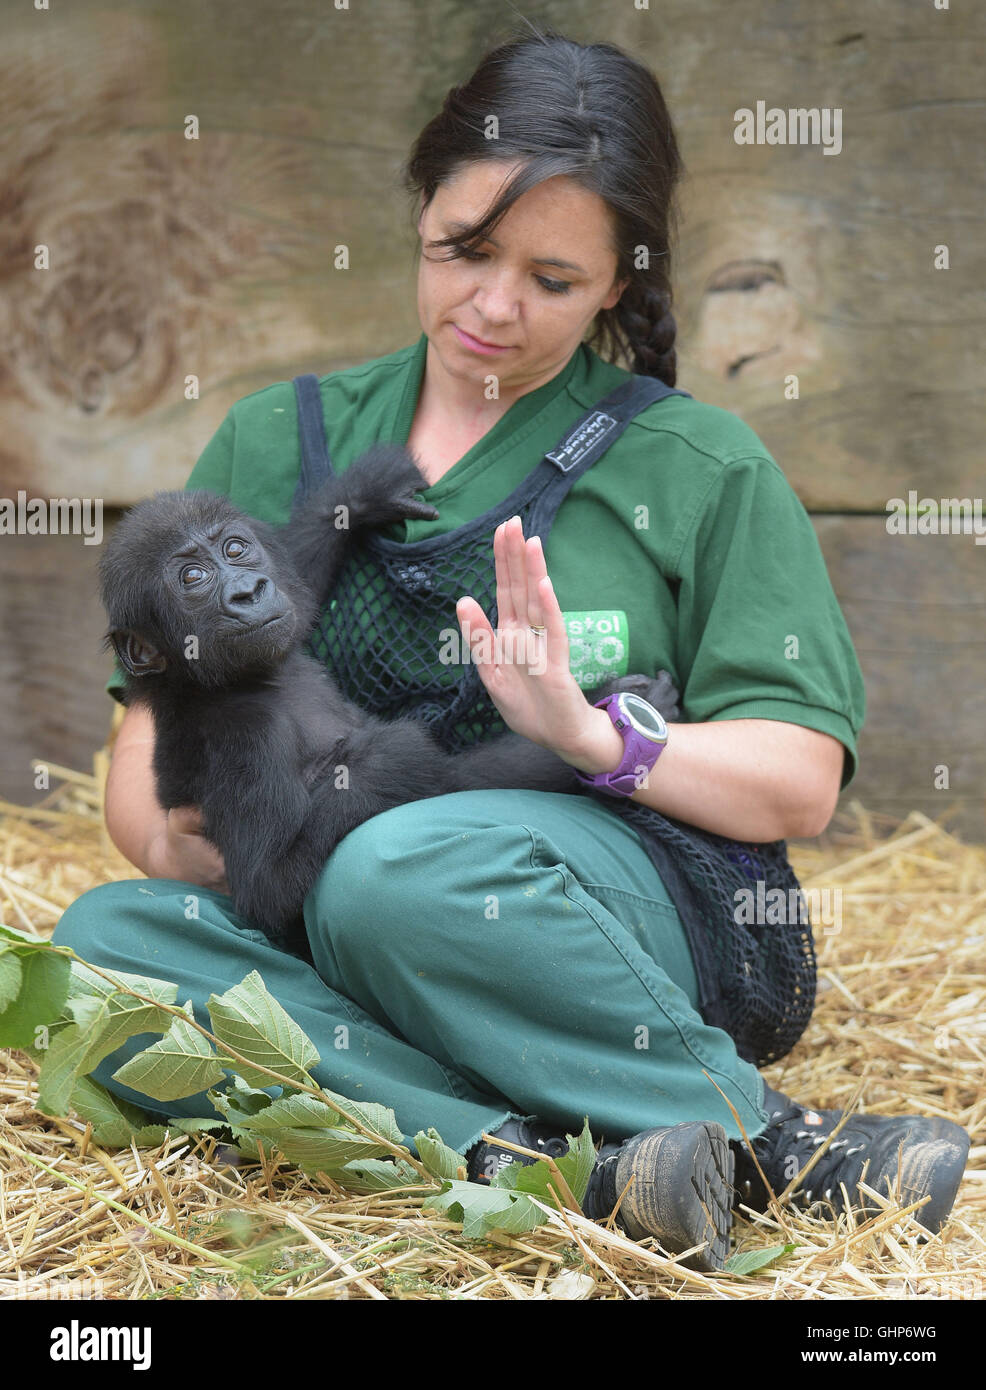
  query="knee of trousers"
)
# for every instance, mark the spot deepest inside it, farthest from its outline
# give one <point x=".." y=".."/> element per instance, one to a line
<point x="121" y="925"/>
<point x="441" y="855"/>
<point x="94" y="920"/>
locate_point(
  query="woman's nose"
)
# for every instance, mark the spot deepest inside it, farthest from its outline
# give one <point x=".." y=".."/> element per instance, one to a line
<point x="497" y="297"/>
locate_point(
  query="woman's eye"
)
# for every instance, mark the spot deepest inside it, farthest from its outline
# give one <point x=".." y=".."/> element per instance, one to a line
<point x="555" y="286"/>
<point x="234" y="548"/>
<point x="192" y="574"/>
<point x="552" y="286"/>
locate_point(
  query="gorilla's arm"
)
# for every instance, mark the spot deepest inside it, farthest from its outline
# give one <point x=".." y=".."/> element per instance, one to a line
<point x="256" y="809"/>
<point x="375" y="489"/>
<point x="510" y="760"/>
<point x="276" y="835"/>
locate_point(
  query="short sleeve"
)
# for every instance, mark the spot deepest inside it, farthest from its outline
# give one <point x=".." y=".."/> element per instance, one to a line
<point x="760" y="631"/>
<point x="213" y="471"/>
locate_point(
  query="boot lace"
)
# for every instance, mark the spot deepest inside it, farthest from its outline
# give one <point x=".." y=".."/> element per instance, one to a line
<point x="780" y="1142"/>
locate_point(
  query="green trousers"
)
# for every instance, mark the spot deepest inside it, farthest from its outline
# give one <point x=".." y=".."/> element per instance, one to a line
<point x="477" y="956"/>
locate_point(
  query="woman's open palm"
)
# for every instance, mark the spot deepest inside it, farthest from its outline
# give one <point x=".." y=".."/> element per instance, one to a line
<point x="526" y="673"/>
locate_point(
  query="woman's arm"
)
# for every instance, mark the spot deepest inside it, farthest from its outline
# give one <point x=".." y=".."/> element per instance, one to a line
<point x="162" y="844"/>
<point x="747" y="779"/>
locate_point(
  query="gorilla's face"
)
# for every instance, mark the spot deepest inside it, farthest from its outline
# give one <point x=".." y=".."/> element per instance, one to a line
<point x="196" y="589"/>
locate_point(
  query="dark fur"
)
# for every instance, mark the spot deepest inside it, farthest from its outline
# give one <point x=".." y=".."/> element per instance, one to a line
<point x="252" y="730"/>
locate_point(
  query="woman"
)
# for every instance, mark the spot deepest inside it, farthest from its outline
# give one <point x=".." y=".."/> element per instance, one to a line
<point x="508" y="962"/>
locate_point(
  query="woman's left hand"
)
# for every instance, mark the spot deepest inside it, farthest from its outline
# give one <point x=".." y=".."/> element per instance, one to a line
<point x="526" y="674"/>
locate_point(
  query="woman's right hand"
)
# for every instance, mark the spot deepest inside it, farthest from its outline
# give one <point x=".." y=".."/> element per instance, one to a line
<point x="183" y="852"/>
<point x="162" y="844"/>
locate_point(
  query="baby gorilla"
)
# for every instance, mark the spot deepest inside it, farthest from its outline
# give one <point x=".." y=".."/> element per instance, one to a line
<point x="208" y="610"/>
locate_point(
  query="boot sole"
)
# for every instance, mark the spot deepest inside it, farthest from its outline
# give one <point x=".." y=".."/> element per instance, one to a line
<point x="935" y="1164"/>
<point x="682" y="1190"/>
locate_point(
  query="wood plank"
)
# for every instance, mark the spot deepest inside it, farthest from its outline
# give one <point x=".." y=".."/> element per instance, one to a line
<point x="214" y="257"/>
<point x="822" y="266"/>
<point x="916" y="609"/>
<point x="52" y="668"/>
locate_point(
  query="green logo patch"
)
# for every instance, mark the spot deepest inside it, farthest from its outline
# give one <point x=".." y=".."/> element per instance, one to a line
<point x="598" y="645"/>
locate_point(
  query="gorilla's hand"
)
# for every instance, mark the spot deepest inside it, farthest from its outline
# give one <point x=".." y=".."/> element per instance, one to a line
<point x="380" y="485"/>
<point x="659" y="691"/>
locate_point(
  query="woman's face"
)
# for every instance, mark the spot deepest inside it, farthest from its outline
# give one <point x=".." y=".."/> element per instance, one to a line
<point x="513" y="296"/>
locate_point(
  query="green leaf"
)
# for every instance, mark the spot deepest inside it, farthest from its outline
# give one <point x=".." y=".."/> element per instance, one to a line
<point x="305" y="1131"/>
<point x="310" y="1135"/>
<point x="245" y="1143"/>
<point x="87" y="984"/>
<point x="240" y="1102"/>
<point x="115" y="1122"/>
<point x="181" y="1064"/>
<point x="504" y="1205"/>
<point x="578" y="1163"/>
<point x="11" y="975"/>
<point x="375" y="1175"/>
<point x="102" y="1018"/>
<point x="15" y="934"/>
<point x="119" y="1015"/>
<point x="231" y="1136"/>
<point x="576" y="1167"/>
<point x="294" y="1111"/>
<point x="312" y="1149"/>
<point x="239" y="1139"/>
<point x="484" y="1209"/>
<point x="376" y="1117"/>
<point x="62" y="1059"/>
<point x="199" y="1124"/>
<point x="436" y="1156"/>
<point x="44" y="989"/>
<point x="251" y="1021"/>
<point x="747" y="1261"/>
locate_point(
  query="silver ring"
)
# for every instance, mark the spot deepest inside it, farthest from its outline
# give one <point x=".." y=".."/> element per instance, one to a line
<point x="538" y="631"/>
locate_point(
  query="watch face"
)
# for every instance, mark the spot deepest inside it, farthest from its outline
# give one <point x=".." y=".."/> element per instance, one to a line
<point x="644" y="717"/>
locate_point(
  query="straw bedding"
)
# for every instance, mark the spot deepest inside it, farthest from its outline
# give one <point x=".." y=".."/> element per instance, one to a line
<point x="901" y="1020"/>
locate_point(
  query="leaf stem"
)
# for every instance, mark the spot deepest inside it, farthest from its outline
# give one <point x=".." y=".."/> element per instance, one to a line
<point x="225" y="1051"/>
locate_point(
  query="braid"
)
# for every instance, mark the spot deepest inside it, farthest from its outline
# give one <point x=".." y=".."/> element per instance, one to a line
<point x="642" y="326"/>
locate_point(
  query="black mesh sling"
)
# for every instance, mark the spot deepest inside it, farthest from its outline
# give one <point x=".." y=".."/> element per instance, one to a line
<point x="393" y="609"/>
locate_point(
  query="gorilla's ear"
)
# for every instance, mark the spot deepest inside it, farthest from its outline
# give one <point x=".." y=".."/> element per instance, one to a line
<point x="138" y="656"/>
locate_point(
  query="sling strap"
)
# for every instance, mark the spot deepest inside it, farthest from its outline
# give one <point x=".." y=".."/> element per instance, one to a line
<point x="579" y="448"/>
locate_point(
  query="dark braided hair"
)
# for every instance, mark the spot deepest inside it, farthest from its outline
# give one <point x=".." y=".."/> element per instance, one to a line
<point x="597" y="115"/>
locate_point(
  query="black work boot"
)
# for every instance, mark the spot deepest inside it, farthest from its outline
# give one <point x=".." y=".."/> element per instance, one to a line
<point x="932" y="1158"/>
<point x="485" y="1160"/>
<point x="681" y="1188"/>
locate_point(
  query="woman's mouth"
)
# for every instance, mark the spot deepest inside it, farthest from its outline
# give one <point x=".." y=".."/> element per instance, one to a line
<point x="476" y="345"/>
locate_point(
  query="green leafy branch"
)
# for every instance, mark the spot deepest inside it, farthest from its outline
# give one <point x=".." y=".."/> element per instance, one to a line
<point x="76" y="1014"/>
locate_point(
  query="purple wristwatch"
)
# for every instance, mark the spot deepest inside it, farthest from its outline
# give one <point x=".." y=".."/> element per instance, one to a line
<point x="645" y="736"/>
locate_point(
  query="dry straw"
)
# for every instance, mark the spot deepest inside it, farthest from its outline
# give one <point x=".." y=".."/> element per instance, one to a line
<point x="900" y="1022"/>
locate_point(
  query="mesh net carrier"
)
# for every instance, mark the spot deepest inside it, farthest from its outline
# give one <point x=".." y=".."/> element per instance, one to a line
<point x="393" y="609"/>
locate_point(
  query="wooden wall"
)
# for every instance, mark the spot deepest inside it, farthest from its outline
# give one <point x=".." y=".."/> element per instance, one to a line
<point x="213" y="259"/>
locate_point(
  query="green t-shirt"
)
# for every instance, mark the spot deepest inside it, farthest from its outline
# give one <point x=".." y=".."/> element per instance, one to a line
<point x="682" y="547"/>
